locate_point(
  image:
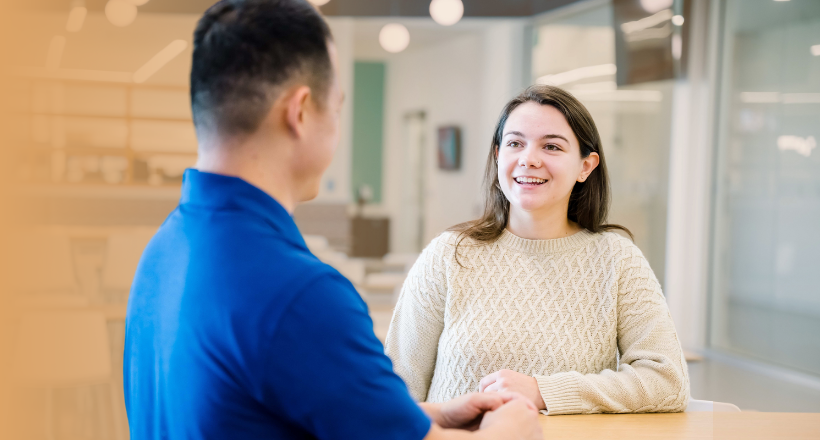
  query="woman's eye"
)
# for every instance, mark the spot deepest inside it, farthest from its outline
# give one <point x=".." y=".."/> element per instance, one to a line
<point x="552" y="147"/>
<point x="514" y="144"/>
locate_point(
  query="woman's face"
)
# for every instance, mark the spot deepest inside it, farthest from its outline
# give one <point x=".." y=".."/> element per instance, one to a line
<point x="539" y="159"/>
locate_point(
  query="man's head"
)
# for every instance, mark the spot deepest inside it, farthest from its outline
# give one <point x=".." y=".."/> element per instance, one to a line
<point x="264" y="72"/>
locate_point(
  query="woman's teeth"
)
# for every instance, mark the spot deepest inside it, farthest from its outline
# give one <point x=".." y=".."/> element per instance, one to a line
<point x="530" y="180"/>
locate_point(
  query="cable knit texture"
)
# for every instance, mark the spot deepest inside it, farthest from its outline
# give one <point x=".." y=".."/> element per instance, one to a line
<point x="559" y="310"/>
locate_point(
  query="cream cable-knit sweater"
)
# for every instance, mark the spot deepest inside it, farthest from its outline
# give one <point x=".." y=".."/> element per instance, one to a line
<point x="560" y="310"/>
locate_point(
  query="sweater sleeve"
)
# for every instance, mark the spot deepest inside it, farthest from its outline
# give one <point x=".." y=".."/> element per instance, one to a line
<point x="418" y="320"/>
<point x="652" y="375"/>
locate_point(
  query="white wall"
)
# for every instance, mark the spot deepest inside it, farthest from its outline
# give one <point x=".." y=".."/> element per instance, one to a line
<point x="462" y="81"/>
<point x="336" y="180"/>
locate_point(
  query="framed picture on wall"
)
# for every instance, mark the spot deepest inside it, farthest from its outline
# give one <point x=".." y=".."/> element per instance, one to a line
<point x="449" y="148"/>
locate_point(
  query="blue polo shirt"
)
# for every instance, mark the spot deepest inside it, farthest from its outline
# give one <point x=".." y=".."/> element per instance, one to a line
<point x="236" y="331"/>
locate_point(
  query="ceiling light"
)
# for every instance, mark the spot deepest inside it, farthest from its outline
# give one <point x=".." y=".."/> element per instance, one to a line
<point x="160" y="59"/>
<point x="74" y="74"/>
<point x="619" y="95"/>
<point x="137" y="2"/>
<point x="801" y="98"/>
<point x="815" y="50"/>
<point x="446" y="12"/>
<point x="580" y="73"/>
<point x="799" y="145"/>
<point x="319" y="2"/>
<point x="677" y="20"/>
<point x="120" y="12"/>
<point x="647" y="22"/>
<point x="759" y="97"/>
<point x="653" y="6"/>
<point x="394" y="37"/>
<point x="75" y="19"/>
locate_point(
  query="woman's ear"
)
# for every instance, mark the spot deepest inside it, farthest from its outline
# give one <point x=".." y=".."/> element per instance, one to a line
<point x="588" y="166"/>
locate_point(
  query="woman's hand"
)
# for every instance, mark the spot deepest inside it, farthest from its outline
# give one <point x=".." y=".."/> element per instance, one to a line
<point x="511" y="381"/>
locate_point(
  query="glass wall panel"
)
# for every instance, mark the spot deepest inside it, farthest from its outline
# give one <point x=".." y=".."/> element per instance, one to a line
<point x="766" y="279"/>
<point x="577" y="53"/>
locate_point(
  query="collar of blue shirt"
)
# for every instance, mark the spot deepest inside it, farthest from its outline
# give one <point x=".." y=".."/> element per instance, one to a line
<point x="219" y="192"/>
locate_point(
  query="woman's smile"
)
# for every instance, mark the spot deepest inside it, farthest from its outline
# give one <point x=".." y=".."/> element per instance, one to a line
<point x="526" y="181"/>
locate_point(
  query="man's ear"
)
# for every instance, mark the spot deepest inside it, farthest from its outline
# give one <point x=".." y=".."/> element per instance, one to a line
<point x="296" y="105"/>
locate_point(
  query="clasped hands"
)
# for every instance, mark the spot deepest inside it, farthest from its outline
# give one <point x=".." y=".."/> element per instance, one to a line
<point x="482" y="410"/>
<point x="496" y="391"/>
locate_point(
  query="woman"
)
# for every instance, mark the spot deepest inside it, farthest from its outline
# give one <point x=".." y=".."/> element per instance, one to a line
<point x="538" y="296"/>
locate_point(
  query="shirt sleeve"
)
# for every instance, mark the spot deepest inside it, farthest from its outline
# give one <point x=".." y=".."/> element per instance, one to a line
<point x="652" y="375"/>
<point x="329" y="374"/>
<point x="418" y="320"/>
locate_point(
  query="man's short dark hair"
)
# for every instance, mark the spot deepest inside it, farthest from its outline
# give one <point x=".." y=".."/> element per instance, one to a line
<point x="245" y="50"/>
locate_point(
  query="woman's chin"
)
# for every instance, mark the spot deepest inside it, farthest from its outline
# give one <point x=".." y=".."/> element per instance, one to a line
<point x="529" y="205"/>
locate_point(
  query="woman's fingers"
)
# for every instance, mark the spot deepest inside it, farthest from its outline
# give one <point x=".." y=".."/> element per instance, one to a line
<point x="487" y="402"/>
<point x="507" y="396"/>
<point x="487" y="381"/>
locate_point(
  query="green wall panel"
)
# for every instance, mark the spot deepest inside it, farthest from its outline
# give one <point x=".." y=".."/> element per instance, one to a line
<point x="368" y="127"/>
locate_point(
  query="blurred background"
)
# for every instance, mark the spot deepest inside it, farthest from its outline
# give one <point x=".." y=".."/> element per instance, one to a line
<point x="709" y="112"/>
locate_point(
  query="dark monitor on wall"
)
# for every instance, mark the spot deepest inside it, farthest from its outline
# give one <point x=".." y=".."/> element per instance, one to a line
<point x="648" y="40"/>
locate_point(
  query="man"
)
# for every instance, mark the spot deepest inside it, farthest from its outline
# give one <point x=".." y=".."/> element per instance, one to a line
<point x="234" y="330"/>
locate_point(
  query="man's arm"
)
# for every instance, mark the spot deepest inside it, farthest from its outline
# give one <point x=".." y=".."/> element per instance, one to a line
<point x="327" y="372"/>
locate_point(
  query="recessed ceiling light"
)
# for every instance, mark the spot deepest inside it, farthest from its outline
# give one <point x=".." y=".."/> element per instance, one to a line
<point x="653" y="6"/>
<point x="76" y="18"/>
<point x="446" y="12"/>
<point x="120" y="12"/>
<point x="394" y="37"/>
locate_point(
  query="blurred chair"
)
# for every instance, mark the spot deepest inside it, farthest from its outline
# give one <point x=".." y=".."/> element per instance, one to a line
<point x="695" y="405"/>
<point x="384" y="281"/>
<point x="381" y="289"/>
<point x="399" y="260"/>
<point x="123" y="252"/>
<point x="56" y="349"/>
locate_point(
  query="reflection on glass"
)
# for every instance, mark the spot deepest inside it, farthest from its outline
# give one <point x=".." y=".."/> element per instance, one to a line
<point x="766" y="282"/>
<point x="578" y="54"/>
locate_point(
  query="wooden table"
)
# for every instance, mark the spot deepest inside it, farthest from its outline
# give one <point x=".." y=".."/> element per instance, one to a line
<point x="694" y="425"/>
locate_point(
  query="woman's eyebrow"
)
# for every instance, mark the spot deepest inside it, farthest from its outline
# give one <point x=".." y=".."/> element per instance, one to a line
<point x="546" y="136"/>
<point x="554" y="136"/>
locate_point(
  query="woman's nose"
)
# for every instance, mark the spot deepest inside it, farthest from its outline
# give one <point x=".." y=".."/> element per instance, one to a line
<point x="528" y="159"/>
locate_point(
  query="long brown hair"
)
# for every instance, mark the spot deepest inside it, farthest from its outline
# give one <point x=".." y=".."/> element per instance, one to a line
<point x="589" y="200"/>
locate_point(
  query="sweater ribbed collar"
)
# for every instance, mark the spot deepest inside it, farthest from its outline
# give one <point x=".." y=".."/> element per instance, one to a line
<point x="551" y="246"/>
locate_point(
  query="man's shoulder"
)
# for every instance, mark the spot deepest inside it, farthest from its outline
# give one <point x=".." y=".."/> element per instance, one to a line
<point x="231" y="260"/>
